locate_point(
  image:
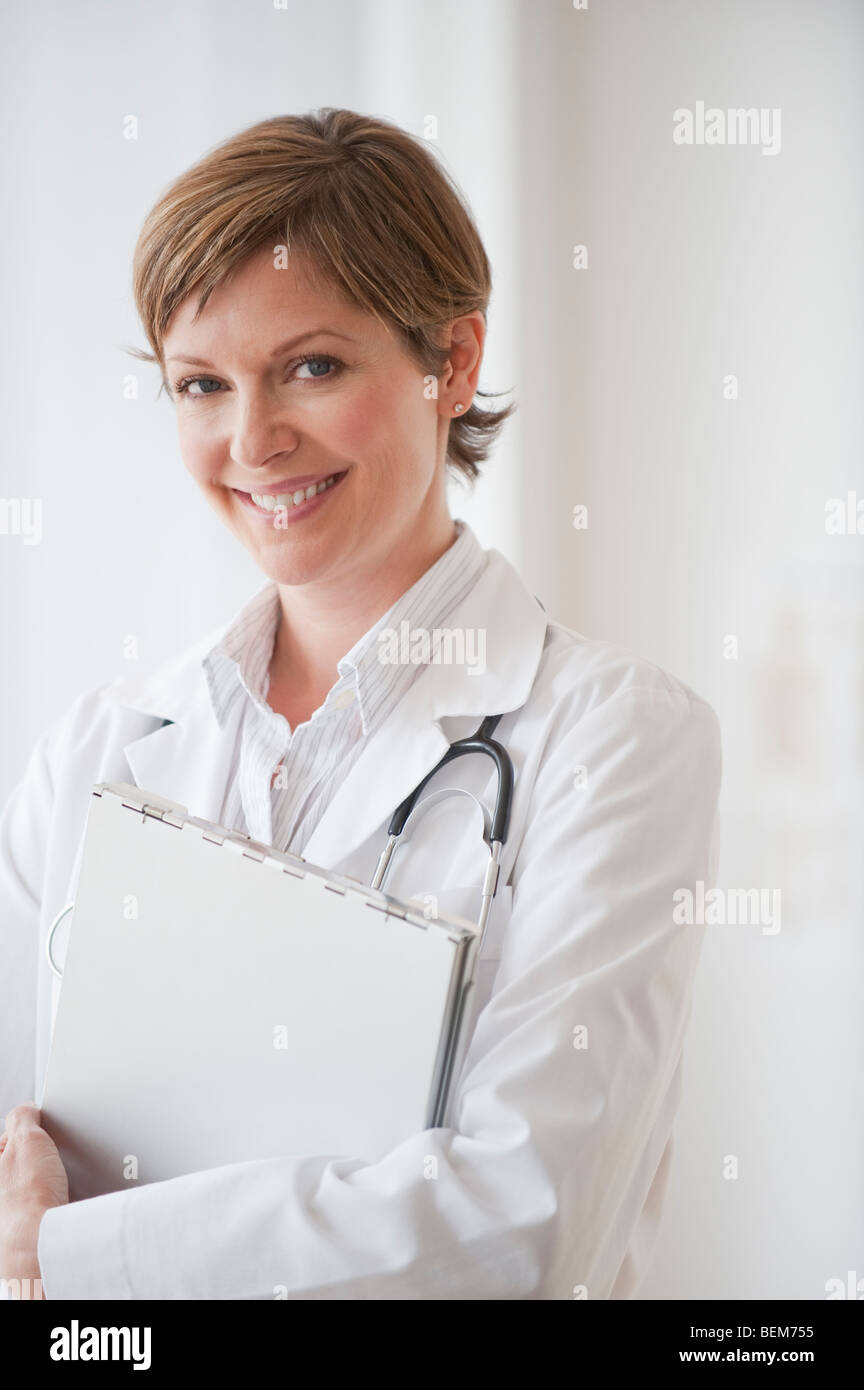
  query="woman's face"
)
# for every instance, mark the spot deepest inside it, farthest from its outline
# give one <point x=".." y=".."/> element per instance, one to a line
<point x="347" y="446"/>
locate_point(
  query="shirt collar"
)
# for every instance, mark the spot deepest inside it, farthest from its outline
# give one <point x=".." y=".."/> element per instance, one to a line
<point x="239" y="661"/>
<point x="377" y="682"/>
<point x="499" y="607"/>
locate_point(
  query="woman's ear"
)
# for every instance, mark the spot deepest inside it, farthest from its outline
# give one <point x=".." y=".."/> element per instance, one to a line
<point x="463" y="342"/>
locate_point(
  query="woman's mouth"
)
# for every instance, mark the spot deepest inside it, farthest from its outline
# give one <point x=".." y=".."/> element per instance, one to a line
<point x="281" y="509"/>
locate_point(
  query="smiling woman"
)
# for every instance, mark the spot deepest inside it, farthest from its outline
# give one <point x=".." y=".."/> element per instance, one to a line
<point x="269" y="422"/>
<point x="314" y="292"/>
<point x="326" y="281"/>
<point x="367" y="208"/>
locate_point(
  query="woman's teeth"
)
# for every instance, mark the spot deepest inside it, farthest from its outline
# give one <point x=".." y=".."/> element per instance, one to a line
<point x="269" y="502"/>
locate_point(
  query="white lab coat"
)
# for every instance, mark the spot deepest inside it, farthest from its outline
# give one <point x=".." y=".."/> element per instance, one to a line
<point x="547" y="1180"/>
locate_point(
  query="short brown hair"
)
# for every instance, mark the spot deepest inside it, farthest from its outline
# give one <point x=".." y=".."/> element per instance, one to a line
<point x="370" y="207"/>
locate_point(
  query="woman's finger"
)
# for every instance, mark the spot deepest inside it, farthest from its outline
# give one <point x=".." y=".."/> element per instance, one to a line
<point x="25" y="1115"/>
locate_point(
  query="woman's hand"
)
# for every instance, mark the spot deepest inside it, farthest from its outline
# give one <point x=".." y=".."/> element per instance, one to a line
<point x="32" y="1180"/>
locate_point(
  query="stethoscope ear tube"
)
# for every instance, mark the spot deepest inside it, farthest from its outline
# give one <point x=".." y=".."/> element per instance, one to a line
<point x="49" y="944"/>
<point x="479" y="742"/>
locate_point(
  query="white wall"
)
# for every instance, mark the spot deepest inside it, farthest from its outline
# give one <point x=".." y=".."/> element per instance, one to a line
<point x="706" y="515"/>
<point x="707" y="518"/>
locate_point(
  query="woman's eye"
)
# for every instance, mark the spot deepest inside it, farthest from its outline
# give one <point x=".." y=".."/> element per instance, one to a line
<point x="317" y="362"/>
<point x="183" y="388"/>
<point x="198" y="386"/>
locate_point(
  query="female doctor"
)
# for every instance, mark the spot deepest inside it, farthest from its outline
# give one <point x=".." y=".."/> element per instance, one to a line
<point x="314" y="291"/>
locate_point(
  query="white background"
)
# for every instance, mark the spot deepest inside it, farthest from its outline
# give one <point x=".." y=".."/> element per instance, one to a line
<point x="706" y="515"/>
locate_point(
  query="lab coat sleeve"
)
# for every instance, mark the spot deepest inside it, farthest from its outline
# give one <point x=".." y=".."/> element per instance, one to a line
<point x="533" y="1191"/>
<point x="24" y="826"/>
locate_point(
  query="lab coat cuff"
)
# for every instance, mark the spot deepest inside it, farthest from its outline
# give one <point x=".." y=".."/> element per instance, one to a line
<point x="81" y="1249"/>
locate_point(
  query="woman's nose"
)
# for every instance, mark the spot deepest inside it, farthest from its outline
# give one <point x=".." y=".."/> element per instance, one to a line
<point x="261" y="427"/>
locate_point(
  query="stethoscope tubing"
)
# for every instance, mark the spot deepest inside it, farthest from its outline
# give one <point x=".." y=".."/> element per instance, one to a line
<point x="479" y="742"/>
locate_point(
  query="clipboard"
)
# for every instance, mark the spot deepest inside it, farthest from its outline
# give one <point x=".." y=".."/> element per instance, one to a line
<point x="223" y="1001"/>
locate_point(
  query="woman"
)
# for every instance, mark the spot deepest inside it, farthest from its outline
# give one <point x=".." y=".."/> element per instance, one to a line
<point x="314" y="292"/>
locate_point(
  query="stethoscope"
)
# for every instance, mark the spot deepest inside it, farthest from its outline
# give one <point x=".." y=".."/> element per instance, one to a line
<point x="494" y="831"/>
<point x="494" y="828"/>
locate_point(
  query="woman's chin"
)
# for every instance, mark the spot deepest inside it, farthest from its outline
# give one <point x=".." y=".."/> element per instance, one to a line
<point x="294" y="562"/>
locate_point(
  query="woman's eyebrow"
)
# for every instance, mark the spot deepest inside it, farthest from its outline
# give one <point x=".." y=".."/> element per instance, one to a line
<point x="277" y="351"/>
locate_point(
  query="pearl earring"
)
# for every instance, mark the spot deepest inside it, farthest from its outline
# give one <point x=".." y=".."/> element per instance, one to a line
<point x="458" y="406"/>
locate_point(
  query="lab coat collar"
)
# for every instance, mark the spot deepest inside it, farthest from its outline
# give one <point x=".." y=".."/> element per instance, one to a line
<point x="412" y="740"/>
<point x="188" y="760"/>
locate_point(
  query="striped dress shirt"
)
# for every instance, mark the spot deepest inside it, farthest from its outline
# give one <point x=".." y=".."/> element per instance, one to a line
<point x="282" y="780"/>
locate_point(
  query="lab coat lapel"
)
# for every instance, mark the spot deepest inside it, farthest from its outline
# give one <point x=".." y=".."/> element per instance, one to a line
<point x="187" y="758"/>
<point x="188" y="762"/>
<point x="391" y="764"/>
<point x="412" y="740"/>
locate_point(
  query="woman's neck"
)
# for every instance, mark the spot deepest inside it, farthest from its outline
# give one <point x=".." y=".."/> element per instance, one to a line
<point x="318" y="624"/>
